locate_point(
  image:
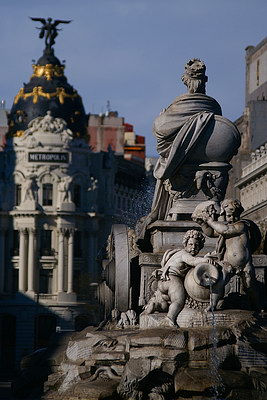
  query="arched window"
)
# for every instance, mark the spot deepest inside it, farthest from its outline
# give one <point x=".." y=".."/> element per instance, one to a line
<point x="47" y="194"/>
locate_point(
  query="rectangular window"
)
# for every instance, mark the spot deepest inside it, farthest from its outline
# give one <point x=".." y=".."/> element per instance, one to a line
<point x="15" y="280"/>
<point x="77" y="248"/>
<point x="76" y="281"/>
<point x="47" y="194"/>
<point x="46" y="278"/>
<point x="15" y="243"/>
<point x="77" y="195"/>
<point x="17" y="195"/>
<point x="46" y="243"/>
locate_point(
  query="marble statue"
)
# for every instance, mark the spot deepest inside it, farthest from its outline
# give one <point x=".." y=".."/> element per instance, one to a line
<point x="183" y="275"/>
<point x="195" y="144"/>
<point x="237" y="240"/>
<point x="30" y="190"/>
<point x="64" y="189"/>
<point x="127" y="319"/>
<point x="175" y="266"/>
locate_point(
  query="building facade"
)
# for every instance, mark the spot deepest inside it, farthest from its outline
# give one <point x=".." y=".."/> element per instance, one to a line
<point x="56" y="209"/>
<point x="52" y="223"/>
<point x="248" y="178"/>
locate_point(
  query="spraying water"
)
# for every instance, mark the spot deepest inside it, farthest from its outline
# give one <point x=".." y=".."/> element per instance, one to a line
<point x="214" y="359"/>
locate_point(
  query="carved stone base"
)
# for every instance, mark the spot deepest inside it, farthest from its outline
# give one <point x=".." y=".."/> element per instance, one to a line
<point x="64" y="297"/>
<point x="169" y="234"/>
<point x="28" y="205"/>
<point x="189" y="318"/>
<point x="67" y="207"/>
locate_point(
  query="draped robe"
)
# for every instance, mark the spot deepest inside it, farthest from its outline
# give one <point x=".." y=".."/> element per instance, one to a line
<point x="178" y="130"/>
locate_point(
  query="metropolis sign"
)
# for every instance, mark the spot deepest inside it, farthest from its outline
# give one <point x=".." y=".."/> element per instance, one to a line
<point x="48" y="157"/>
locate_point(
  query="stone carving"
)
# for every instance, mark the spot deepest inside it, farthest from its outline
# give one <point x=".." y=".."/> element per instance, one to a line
<point x="175" y="266"/>
<point x="237" y="240"/>
<point x="259" y="153"/>
<point x="199" y="282"/>
<point x="133" y="248"/>
<point x="195" y="144"/>
<point x="127" y="319"/>
<point x="108" y="371"/>
<point x="30" y="197"/>
<point x="29" y="189"/>
<point x="64" y="190"/>
<point x="47" y="124"/>
<point x="140" y="381"/>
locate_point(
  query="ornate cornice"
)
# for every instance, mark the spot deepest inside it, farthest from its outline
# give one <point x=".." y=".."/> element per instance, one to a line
<point x="47" y="71"/>
<point x="39" y="92"/>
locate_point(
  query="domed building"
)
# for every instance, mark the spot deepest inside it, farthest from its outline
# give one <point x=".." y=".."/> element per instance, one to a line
<point x="48" y="90"/>
<point x="56" y="206"/>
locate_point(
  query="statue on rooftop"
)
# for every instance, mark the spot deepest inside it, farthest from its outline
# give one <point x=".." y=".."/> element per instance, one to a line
<point x="49" y="30"/>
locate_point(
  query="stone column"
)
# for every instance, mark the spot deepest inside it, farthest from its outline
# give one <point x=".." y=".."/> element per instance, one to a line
<point x="60" y="267"/>
<point x="2" y="261"/>
<point x="31" y="260"/>
<point x="70" y="261"/>
<point x="22" y="259"/>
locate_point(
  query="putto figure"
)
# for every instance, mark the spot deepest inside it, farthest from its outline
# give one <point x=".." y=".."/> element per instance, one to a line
<point x="49" y="30"/>
<point x="175" y="265"/>
<point x="237" y="240"/>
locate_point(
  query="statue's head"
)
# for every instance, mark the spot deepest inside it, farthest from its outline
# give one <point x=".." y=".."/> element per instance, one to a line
<point x="231" y="210"/>
<point x="206" y="209"/>
<point x="194" y="76"/>
<point x="193" y="241"/>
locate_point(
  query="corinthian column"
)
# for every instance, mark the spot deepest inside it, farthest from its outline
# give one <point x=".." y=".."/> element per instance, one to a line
<point x="31" y="260"/>
<point x="60" y="267"/>
<point x="70" y="261"/>
<point x="22" y="259"/>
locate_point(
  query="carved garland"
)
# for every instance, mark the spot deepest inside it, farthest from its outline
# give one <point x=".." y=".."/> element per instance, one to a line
<point x="38" y="91"/>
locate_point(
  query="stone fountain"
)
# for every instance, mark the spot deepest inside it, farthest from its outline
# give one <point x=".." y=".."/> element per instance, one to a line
<point x="183" y="293"/>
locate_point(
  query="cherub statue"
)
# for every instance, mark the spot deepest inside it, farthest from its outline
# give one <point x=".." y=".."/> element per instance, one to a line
<point x="237" y="240"/>
<point x="175" y="265"/>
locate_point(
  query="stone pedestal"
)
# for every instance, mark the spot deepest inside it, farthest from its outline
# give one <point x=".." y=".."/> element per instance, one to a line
<point x="64" y="297"/>
<point x="167" y="235"/>
<point x="67" y="207"/>
<point x="28" y="205"/>
<point x="190" y="318"/>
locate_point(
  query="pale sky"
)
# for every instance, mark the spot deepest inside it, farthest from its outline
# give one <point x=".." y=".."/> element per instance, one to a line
<point x="132" y="52"/>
